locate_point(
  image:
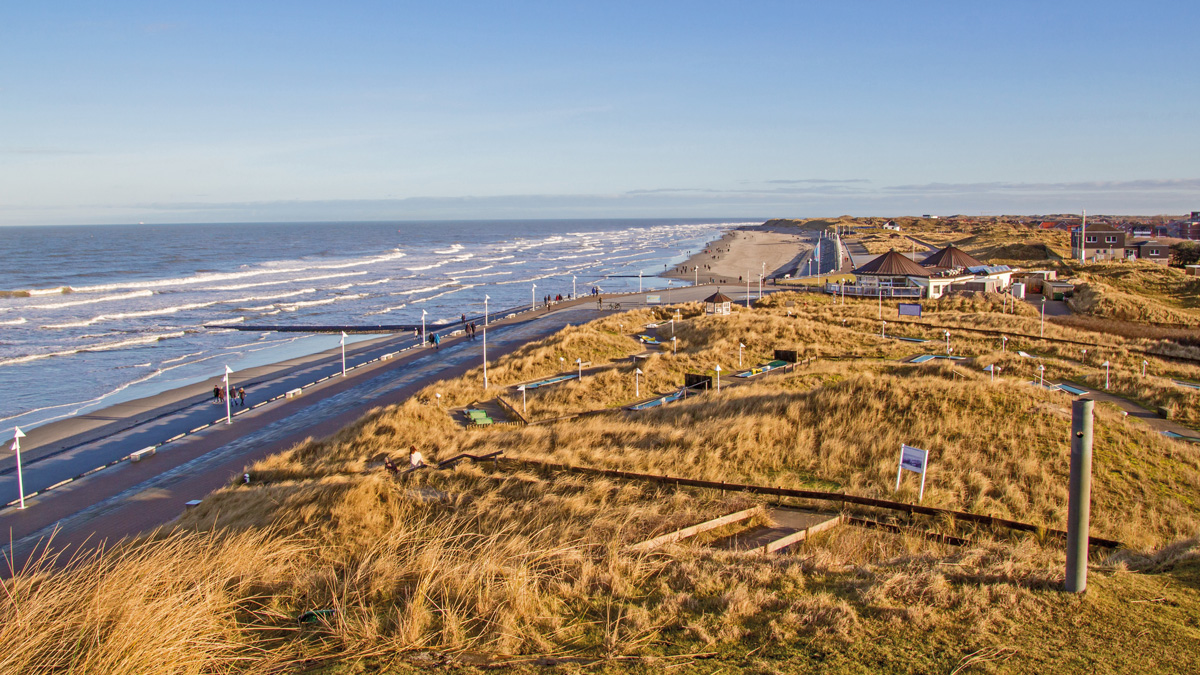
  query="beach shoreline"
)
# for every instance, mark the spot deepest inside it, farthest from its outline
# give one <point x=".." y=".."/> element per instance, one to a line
<point x="754" y="251"/>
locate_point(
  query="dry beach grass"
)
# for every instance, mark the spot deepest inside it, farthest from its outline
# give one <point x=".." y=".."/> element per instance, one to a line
<point x="500" y="561"/>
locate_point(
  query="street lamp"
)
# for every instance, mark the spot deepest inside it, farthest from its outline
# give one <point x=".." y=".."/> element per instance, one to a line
<point x="424" y="340"/>
<point x="573" y="295"/>
<point x="637" y="389"/>
<point x="695" y="275"/>
<point x="579" y="362"/>
<point x="1042" y="374"/>
<point x="521" y="389"/>
<point x="1004" y="343"/>
<point x="669" y="291"/>
<point x="718" y="369"/>
<point x="672" y="322"/>
<point x="1144" y="364"/>
<point x="883" y="330"/>
<point x="1106" y="375"/>
<point x="485" y="324"/>
<point x="16" y="447"/>
<point x="674" y="345"/>
<point x="343" y="353"/>
<point x="639" y="281"/>
<point x="947" y="341"/>
<point x="532" y="297"/>
<point x="740" y="347"/>
<point x="228" y="415"/>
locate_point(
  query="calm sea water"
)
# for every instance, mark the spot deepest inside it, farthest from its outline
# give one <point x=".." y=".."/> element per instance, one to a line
<point x="95" y="315"/>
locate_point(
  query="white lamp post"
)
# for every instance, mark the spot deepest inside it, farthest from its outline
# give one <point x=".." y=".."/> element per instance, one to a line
<point x="947" y="341"/>
<point x="424" y="338"/>
<point x="573" y="295"/>
<point x="532" y="298"/>
<point x="16" y="447"/>
<point x="521" y="389"/>
<point x="883" y="330"/>
<point x="1144" y="364"/>
<point x="881" y="301"/>
<point x="1042" y="374"/>
<point x="718" y="369"/>
<point x="485" y="323"/>
<point x="1004" y="343"/>
<point x="637" y="388"/>
<point x="672" y="322"/>
<point x="228" y="415"/>
<point x="1106" y="375"/>
<point x="343" y="353"/>
<point x="579" y="362"/>
<point x="639" y="281"/>
<point x="669" y="291"/>
<point x="695" y="275"/>
<point x="740" y="347"/>
<point x="1043" y="328"/>
<point x="674" y="346"/>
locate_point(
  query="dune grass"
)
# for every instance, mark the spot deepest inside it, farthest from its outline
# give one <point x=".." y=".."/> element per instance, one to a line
<point x="491" y="562"/>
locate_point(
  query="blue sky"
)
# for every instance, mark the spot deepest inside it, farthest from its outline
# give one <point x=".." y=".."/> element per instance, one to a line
<point x="171" y="112"/>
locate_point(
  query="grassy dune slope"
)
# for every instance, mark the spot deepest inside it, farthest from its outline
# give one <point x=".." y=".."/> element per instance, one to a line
<point x="486" y="563"/>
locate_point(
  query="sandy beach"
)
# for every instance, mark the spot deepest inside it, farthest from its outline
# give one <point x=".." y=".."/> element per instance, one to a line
<point x="744" y="251"/>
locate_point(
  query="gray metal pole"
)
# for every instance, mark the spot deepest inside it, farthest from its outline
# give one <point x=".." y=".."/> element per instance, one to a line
<point x="1079" y="507"/>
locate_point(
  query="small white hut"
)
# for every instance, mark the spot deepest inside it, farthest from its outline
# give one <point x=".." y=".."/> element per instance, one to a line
<point x="717" y="303"/>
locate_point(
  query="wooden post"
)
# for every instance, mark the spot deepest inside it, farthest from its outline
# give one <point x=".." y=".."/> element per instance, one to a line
<point x="1080" y="505"/>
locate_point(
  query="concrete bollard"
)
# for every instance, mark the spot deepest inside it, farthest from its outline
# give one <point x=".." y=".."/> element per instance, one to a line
<point x="1079" y="507"/>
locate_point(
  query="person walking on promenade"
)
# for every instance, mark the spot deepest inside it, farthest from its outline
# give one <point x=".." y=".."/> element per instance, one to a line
<point x="437" y="341"/>
<point x="464" y="318"/>
<point x="242" y="396"/>
<point x="217" y="393"/>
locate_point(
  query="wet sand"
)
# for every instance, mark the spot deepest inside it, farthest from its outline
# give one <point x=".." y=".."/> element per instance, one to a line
<point x="744" y="251"/>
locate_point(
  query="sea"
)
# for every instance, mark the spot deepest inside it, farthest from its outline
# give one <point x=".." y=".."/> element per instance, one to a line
<point x="96" y="315"/>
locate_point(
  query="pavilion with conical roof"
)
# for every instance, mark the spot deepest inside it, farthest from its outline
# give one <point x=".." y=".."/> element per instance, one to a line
<point x="717" y="303"/>
<point x="951" y="258"/>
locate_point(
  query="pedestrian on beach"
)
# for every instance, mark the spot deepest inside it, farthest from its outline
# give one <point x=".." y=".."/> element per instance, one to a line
<point x="242" y="396"/>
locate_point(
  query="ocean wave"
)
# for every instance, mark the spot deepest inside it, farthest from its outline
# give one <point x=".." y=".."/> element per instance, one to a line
<point x="216" y="277"/>
<point x="14" y="322"/>
<point x="298" y="280"/>
<point x="174" y="309"/>
<point x="456" y="290"/>
<point x="478" y="276"/>
<point x="454" y="248"/>
<point x="293" y="306"/>
<point x="98" y="347"/>
<point x="426" y="289"/>
<point x="90" y="301"/>
<point x="225" y="322"/>
<point x="386" y="310"/>
<point x="503" y="257"/>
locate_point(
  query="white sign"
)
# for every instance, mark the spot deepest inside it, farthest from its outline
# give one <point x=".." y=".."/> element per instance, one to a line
<point x="915" y="460"/>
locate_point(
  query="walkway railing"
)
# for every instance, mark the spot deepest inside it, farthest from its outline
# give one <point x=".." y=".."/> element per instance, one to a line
<point x="875" y="291"/>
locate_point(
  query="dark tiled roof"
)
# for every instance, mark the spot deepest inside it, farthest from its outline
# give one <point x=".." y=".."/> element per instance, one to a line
<point x="951" y="257"/>
<point x="892" y="264"/>
<point x="718" y="297"/>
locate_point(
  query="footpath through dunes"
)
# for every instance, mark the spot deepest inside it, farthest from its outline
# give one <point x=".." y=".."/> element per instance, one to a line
<point x="742" y="252"/>
<point x="327" y="556"/>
